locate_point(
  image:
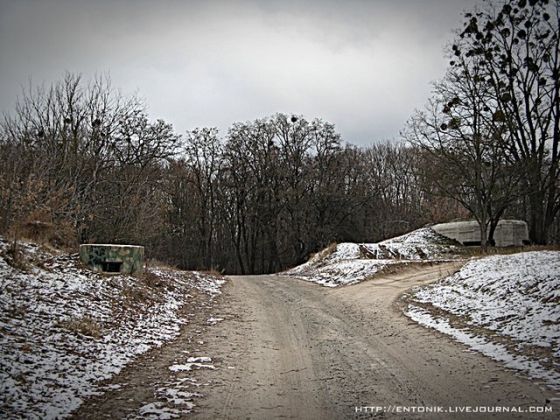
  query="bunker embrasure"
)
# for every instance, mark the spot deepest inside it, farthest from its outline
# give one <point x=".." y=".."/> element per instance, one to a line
<point x="112" y="258"/>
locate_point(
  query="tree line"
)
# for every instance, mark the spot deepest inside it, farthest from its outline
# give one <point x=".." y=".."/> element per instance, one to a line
<point x="81" y="163"/>
<point x="282" y="187"/>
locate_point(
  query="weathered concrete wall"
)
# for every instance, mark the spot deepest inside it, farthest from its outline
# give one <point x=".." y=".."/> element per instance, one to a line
<point x="124" y="259"/>
<point x="508" y="232"/>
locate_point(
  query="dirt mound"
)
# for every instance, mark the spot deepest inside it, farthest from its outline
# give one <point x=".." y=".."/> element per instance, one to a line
<point x="348" y="263"/>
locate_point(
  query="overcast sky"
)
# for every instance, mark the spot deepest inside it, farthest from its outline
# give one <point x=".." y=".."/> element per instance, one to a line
<point x="362" y="65"/>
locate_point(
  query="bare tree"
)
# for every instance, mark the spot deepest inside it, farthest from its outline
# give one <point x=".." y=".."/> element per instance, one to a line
<point x="463" y="143"/>
<point x="89" y="141"/>
<point x="515" y="47"/>
<point x="203" y="154"/>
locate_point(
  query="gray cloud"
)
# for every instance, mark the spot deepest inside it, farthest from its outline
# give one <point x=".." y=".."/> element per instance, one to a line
<point x="363" y="65"/>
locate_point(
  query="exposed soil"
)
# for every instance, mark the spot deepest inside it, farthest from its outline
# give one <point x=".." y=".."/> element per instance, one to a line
<point x="297" y="350"/>
<point x="139" y="382"/>
<point x="292" y="349"/>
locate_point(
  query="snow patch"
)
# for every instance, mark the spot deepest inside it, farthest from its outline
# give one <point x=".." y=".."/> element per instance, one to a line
<point x="159" y="411"/>
<point x="64" y="329"/>
<point x="213" y="320"/>
<point x="189" y="366"/>
<point x="201" y="359"/>
<point x="351" y="263"/>
<point x="514" y="296"/>
<point x="532" y="368"/>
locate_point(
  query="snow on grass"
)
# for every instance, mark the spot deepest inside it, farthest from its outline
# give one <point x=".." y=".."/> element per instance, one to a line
<point x="343" y="272"/>
<point x="421" y="244"/>
<point x="349" y="263"/>
<point x="515" y="297"/>
<point x="533" y="368"/>
<point x="64" y="329"/>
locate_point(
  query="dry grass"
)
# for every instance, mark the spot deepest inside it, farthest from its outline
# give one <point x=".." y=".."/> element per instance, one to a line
<point x="59" y="236"/>
<point x="365" y="253"/>
<point x="479" y="252"/>
<point x="15" y="257"/>
<point x="214" y="272"/>
<point x="388" y="270"/>
<point x="152" y="262"/>
<point x="37" y="231"/>
<point x="324" y="253"/>
<point x="149" y="287"/>
<point x="136" y="295"/>
<point x="150" y="279"/>
<point x="85" y="326"/>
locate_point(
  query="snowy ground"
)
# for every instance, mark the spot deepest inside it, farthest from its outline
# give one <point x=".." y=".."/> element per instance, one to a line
<point x="505" y="306"/>
<point x="349" y="263"/>
<point x="64" y="329"/>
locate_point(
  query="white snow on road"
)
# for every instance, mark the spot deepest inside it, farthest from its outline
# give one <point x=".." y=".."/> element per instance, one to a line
<point x="159" y="411"/>
<point x="64" y="329"/>
<point x="199" y="359"/>
<point x="516" y="297"/>
<point x="349" y="263"/>
<point x="189" y="366"/>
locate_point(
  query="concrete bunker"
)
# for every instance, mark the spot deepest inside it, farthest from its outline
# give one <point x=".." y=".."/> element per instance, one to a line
<point x="508" y="232"/>
<point x="110" y="258"/>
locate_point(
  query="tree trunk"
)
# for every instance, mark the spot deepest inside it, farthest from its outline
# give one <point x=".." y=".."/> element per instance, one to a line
<point x="483" y="234"/>
<point x="537" y="230"/>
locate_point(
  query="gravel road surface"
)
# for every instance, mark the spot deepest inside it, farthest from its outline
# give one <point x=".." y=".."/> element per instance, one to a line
<point x="292" y="349"/>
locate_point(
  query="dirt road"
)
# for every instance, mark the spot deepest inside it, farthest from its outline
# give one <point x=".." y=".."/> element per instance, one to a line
<point x="298" y="350"/>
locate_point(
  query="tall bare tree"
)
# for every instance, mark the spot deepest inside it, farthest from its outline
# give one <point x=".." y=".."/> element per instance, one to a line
<point x="515" y="48"/>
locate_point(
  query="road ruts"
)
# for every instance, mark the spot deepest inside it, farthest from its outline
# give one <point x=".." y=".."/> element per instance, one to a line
<point x="297" y="350"/>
